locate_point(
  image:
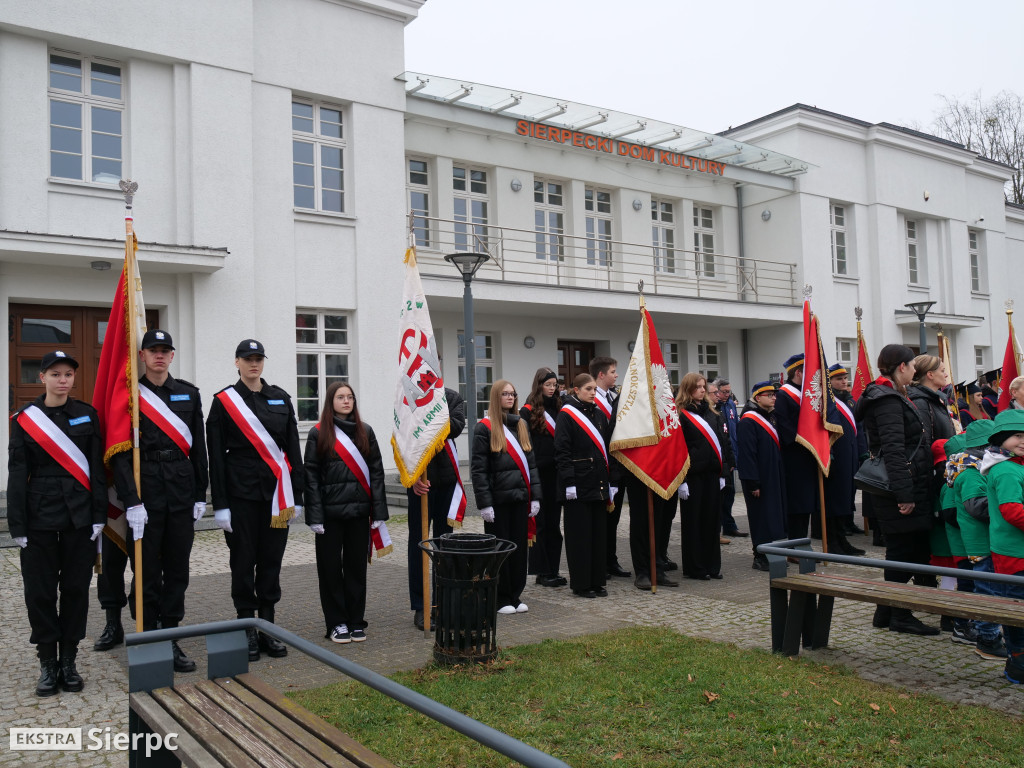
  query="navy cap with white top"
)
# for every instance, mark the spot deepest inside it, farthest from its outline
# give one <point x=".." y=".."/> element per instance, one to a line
<point x="157" y="338"/>
<point x="50" y="359"/>
<point x="248" y="348"/>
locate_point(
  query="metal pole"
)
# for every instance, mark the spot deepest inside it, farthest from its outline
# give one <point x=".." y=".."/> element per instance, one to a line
<point x="924" y="335"/>
<point x="470" y="346"/>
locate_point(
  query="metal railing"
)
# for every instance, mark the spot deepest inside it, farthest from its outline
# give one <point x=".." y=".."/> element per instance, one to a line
<point x="482" y="734"/>
<point x="545" y="258"/>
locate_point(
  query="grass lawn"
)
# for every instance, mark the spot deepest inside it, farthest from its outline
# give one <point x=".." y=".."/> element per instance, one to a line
<point x="653" y="697"/>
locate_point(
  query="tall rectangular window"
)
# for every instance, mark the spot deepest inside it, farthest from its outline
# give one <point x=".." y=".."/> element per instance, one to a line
<point x="419" y="200"/>
<point x="844" y="351"/>
<point x="470" y="189"/>
<point x="704" y="241"/>
<point x="913" y="264"/>
<point x="974" y="254"/>
<point x="711" y="359"/>
<point x="484" y="371"/>
<point x="837" y="223"/>
<point x="322" y="352"/>
<point x="597" y="204"/>
<point x="549" y="219"/>
<point x="979" y="362"/>
<point x="670" y="351"/>
<point x="318" y="155"/>
<point x="87" y="105"/>
<point x="663" y="235"/>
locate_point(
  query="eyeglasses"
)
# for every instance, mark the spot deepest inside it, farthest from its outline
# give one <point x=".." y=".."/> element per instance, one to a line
<point x="509" y="394"/>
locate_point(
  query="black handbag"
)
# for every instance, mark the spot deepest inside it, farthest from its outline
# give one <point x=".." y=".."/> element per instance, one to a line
<point x="873" y="477"/>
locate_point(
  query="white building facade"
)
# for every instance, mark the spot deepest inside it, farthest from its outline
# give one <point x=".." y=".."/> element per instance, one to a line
<point x="280" y="152"/>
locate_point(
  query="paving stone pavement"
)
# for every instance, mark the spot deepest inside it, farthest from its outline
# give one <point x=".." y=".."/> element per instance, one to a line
<point x="733" y="610"/>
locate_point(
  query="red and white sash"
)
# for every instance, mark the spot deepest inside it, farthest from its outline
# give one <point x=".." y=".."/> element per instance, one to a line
<point x="759" y="419"/>
<point x="601" y="401"/>
<point x="847" y="414"/>
<point x="792" y="391"/>
<point x="283" y="506"/>
<point x="515" y="450"/>
<point x="588" y="427"/>
<point x="457" y="509"/>
<point x="705" y="429"/>
<point x="353" y="459"/>
<point x="57" y="444"/>
<point x="169" y="423"/>
<point x="549" y="422"/>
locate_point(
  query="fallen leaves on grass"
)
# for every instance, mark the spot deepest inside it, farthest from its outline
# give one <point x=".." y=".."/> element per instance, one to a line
<point x="711" y="697"/>
<point x="875" y="708"/>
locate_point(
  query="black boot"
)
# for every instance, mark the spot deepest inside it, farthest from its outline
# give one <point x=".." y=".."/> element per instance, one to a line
<point x="904" y="621"/>
<point x="838" y="544"/>
<point x="70" y="680"/>
<point x="113" y="632"/>
<point x="250" y="636"/>
<point x="270" y="645"/>
<point x="883" y="614"/>
<point x="49" y="670"/>
<point x="182" y="663"/>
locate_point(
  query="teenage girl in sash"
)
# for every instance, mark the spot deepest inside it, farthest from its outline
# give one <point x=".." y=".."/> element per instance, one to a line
<point x="344" y="497"/>
<point x="256" y="481"/>
<point x="56" y="503"/>
<point x="506" y="486"/>
<point x="581" y="455"/>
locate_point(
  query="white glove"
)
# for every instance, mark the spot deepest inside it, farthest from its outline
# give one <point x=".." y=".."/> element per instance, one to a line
<point x="21" y="541"/>
<point x="137" y="519"/>
<point x="376" y="524"/>
<point x="97" y="529"/>
<point x="721" y="483"/>
<point x="534" y="508"/>
<point x="487" y="513"/>
<point x="199" y="510"/>
<point x="684" y="491"/>
<point x="613" y="490"/>
<point x="317" y="528"/>
<point x="570" y="493"/>
<point x="223" y="519"/>
<point x="299" y="509"/>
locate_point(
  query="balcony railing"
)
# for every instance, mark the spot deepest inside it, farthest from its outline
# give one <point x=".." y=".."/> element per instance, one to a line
<point x="547" y="258"/>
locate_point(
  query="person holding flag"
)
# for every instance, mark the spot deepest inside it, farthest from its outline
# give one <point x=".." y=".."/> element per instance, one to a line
<point x="56" y="505"/>
<point x="839" y="487"/>
<point x="1012" y="360"/>
<point x="257" y="481"/>
<point x="345" y="500"/>
<point x="760" y="470"/>
<point x="798" y="464"/>
<point x="507" y="487"/>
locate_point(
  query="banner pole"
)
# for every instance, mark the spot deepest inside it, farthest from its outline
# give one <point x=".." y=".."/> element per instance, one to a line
<point x="821" y="504"/>
<point x="650" y="529"/>
<point x="425" y="564"/>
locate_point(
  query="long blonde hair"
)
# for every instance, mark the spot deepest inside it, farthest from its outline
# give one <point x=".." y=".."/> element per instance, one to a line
<point x="684" y="395"/>
<point x="497" y="419"/>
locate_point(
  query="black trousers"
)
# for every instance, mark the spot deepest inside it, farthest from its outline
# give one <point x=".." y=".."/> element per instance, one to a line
<point x="546" y="552"/>
<point x="728" y="497"/>
<point x="56" y="567"/>
<point x="913" y="547"/>
<point x="110" y="583"/>
<point x="612" y="531"/>
<point x="438" y="501"/>
<point x="510" y="524"/>
<point x="256" y="554"/>
<point x="166" y="550"/>
<point x="341" y="570"/>
<point x="639" y="530"/>
<point x="664" y="514"/>
<point x="585" y="530"/>
<point x="700" y="516"/>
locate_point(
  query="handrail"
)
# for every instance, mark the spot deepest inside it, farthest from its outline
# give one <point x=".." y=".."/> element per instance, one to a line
<point x="483" y="734"/>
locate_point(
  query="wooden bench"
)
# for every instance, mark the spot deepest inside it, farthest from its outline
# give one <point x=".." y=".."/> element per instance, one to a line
<point x="801" y="604"/>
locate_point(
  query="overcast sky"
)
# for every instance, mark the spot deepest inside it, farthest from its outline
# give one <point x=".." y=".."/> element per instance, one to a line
<point x="711" y="65"/>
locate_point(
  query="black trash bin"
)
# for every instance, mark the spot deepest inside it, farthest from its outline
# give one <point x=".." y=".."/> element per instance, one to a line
<point x="466" y="591"/>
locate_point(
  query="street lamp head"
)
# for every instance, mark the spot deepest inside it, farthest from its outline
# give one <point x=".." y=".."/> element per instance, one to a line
<point x="467" y="262"/>
<point x="920" y="308"/>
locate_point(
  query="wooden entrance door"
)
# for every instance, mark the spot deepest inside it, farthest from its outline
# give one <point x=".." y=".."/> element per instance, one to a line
<point x="573" y="358"/>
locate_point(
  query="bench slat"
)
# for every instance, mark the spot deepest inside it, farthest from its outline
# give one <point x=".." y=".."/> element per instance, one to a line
<point x="198" y="726"/>
<point x="316" y="725"/>
<point x="190" y="752"/>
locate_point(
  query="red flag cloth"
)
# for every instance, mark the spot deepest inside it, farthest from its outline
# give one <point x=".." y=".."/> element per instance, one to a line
<point x="1011" y="367"/>
<point x="647" y="436"/>
<point x="111" y="397"/>
<point x="814" y="431"/>
<point x="862" y="375"/>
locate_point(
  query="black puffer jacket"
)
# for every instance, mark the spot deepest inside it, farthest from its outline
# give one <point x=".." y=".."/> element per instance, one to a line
<point x="332" y="490"/>
<point x="703" y="457"/>
<point x="895" y="429"/>
<point x="496" y="476"/>
<point x="542" y="440"/>
<point x="580" y="461"/>
<point x="932" y="407"/>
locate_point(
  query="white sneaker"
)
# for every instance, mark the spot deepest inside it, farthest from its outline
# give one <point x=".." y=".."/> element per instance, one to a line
<point x="341" y="634"/>
<point x="507" y="609"/>
<point x="522" y="608"/>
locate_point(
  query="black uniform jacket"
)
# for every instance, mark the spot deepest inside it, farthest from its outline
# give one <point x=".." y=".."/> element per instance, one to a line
<point x="170" y="480"/>
<point x="41" y="494"/>
<point x="440" y="470"/>
<point x="333" y="491"/>
<point x="543" y="441"/>
<point x="580" y="462"/>
<point x="703" y="457"/>
<point x="236" y="469"/>
<point x="496" y="476"/>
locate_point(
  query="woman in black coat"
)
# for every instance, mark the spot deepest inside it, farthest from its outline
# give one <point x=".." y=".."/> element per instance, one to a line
<point x="506" y="486"/>
<point x="896" y="431"/>
<point x="701" y="495"/>
<point x="540" y="412"/>
<point x="344" y="499"/>
<point x="581" y="455"/>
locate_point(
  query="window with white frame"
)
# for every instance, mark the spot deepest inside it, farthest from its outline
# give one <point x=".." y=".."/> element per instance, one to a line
<point x="484" y="371"/>
<point x="914" y="271"/>
<point x="418" y="181"/>
<point x="549" y="219"/>
<point x="318" y="157"/>
<point x="704" y="240"/>
<point x="974" y="254"/>
<point x="663" y="235"/>
<point x="979" y="362"/>
<point x="837" y="224"/>
<point x="322" y="350"/>
<point x="597" y="203"/>
<point x="87" y="105"/>
<point x="844" y="351"/>
<point x="469" y="186"/>
<point x="711" y="359"/>
<point x="671" y="351"/>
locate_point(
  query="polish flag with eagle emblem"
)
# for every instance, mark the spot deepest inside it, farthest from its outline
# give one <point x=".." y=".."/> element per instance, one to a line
<point x="814" y="431"/>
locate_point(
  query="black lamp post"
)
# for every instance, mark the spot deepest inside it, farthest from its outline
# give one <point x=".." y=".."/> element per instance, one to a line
<point x="921" y="308"/>
<point x="468" y="263"/>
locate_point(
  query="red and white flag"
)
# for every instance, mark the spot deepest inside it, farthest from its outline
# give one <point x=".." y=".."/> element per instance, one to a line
<point x="814" y="431"/>
<point x="862" y="374"/>
<point x="648" y="437"/>
<point x="1011" y="365"/>
<point x="380" y="542"/>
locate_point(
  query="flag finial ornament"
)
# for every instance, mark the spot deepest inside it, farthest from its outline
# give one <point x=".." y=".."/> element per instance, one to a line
<point x="858" y="312"/>
<point x="808" y="290"/>
<point x="1009" y="306"/>
<point x="129" y="188"/>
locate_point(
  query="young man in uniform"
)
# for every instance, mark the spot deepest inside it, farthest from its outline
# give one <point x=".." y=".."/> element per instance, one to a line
<point x="759" y="462"/>
<point x="605" y="373"/>
<point x="800" y="468"/>
<point x="722" y="395"/>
